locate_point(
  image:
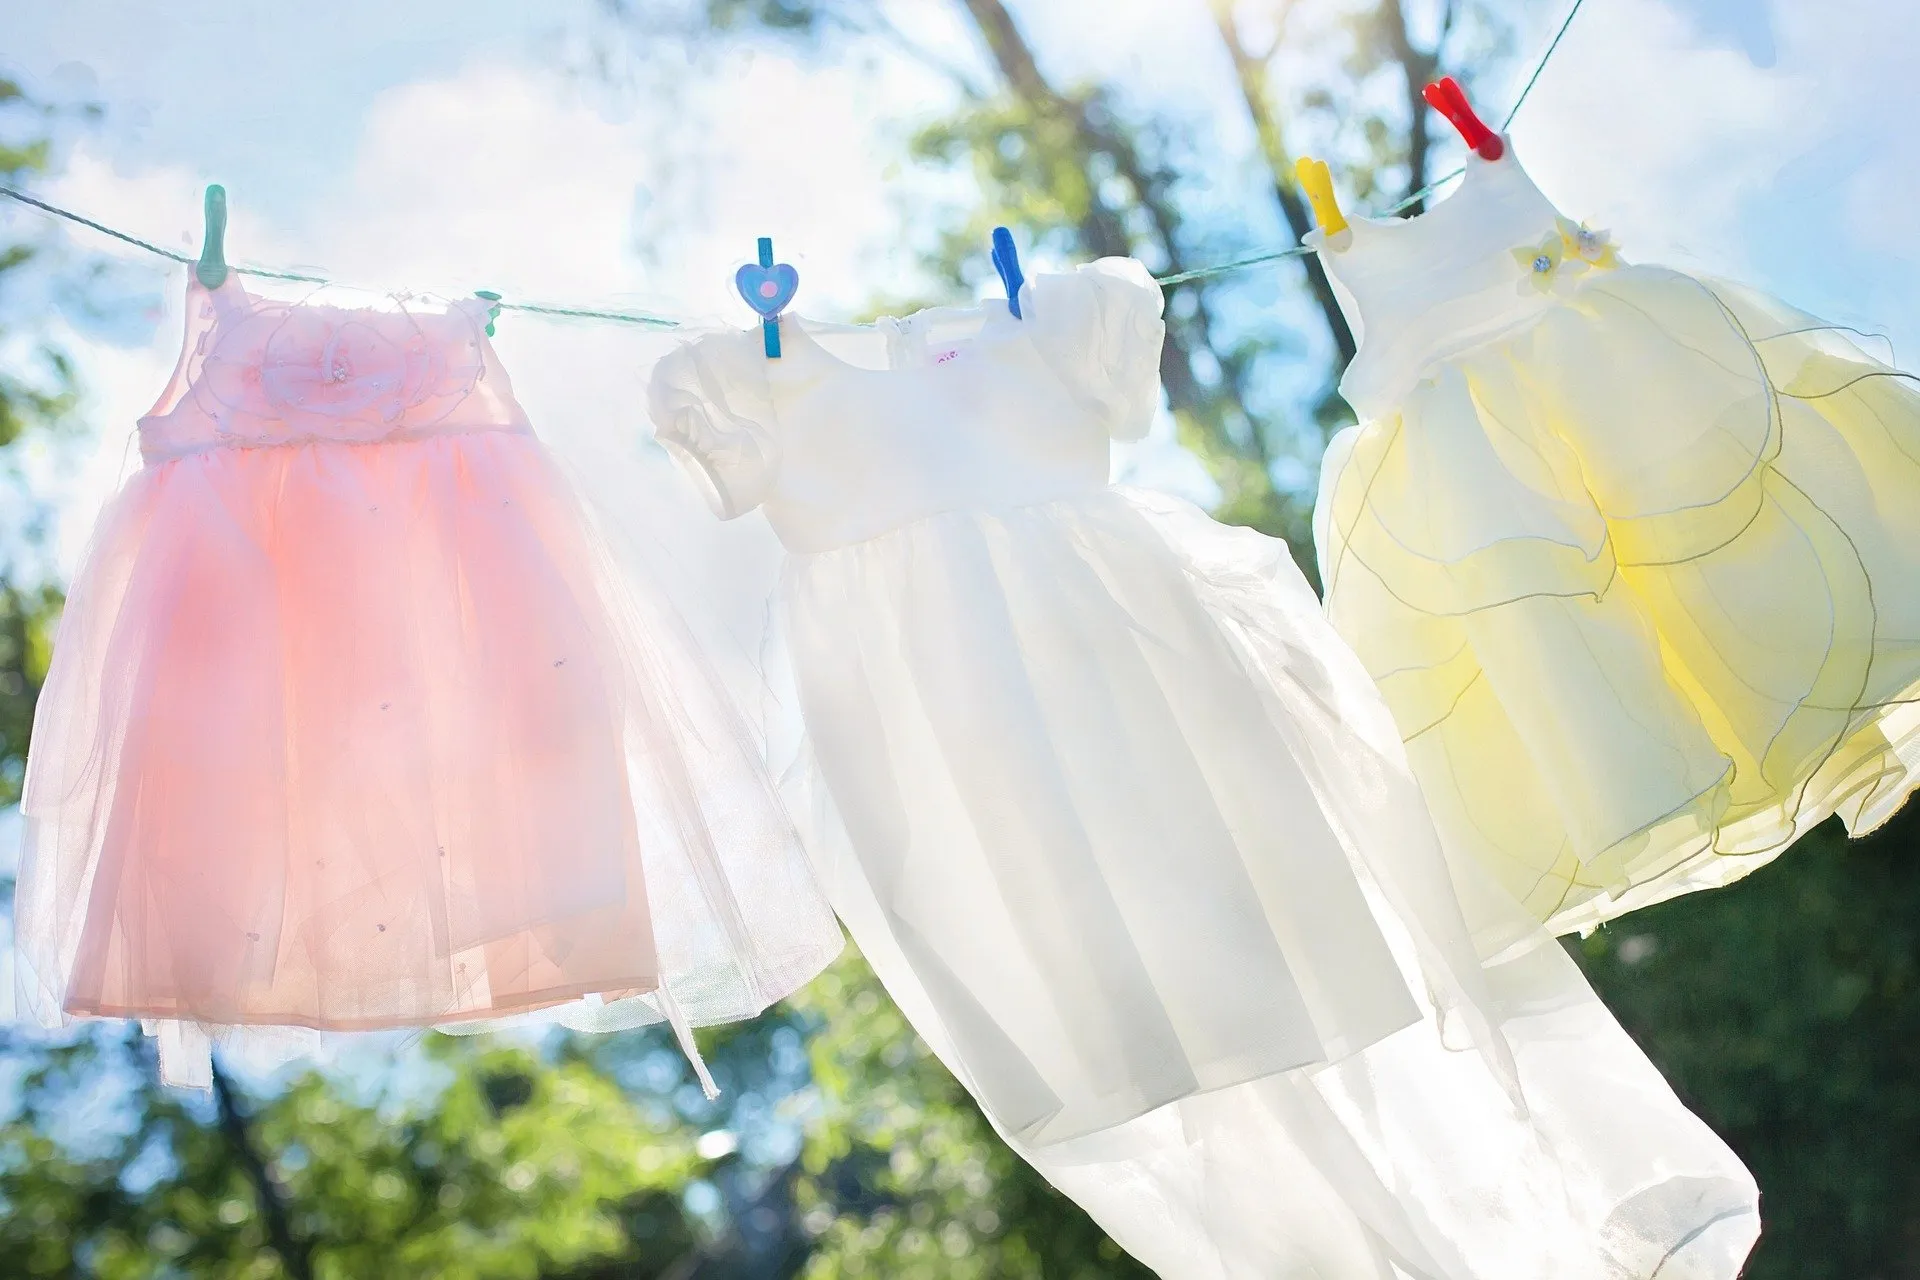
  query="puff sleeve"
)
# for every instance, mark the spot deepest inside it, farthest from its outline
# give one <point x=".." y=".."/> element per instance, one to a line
<point x="1099" y="327"/>
<point x="712" y="410"/>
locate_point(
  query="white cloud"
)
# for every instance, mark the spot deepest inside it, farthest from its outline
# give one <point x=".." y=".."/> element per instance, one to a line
<point x="505" y="176"/>
<point x="1865" y="101"/>
<point x="1639" y="126"/>
<point x="1771" y="144"/>
<point x="492" y="176"/>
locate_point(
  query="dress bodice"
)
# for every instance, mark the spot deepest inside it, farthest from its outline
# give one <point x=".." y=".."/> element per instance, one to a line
<point x="256" y="372"/>
<point x="969" y="408"/>
<point x="1485" y="259"/>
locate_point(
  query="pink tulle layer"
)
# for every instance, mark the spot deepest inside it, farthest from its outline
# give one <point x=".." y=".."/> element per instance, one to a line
<point x="338" y="738"/>
<point x="353" y="723"/>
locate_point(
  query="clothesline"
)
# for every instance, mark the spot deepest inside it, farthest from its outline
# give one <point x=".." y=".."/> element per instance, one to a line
<point x="262" y="273"/>
<point x="1301" y="250"/>
<point x="652" y="321"/>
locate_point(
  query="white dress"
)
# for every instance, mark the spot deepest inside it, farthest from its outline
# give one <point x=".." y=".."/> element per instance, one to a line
<point x="1121" y="824"/>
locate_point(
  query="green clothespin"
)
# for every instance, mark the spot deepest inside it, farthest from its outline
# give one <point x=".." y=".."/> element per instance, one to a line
<point x="212" y="268"/>
<point x="493" y="312"/>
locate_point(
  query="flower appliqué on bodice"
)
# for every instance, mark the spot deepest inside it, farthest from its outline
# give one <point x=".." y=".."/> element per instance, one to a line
<point x="1570" y="250"/>
<point x="297" y="371"/>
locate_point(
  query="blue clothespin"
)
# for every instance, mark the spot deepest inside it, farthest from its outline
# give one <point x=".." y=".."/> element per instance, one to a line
<point x="493" y="312"/>
<point x="768" y="288"/>
<point x="1006" y="260"/>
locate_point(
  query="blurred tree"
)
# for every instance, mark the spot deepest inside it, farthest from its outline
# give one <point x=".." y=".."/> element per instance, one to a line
<point x="1378" y="42"/>
<point x="36" y="396"/>
<point x="1352" y="89"/>
<point x="904" y="1177"/>
<point x="27" y="616"/>
<point x="1080" y="169"/>
<point x="1786" y="1009"/>
<point x="497" y="1164"/>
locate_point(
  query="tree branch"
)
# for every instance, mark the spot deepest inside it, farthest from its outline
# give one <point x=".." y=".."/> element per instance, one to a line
<point x="1252" y="76"/>
<point x="1102" y="231"/>
<point x="1211" y="420"/>
<point x="889" y="30"/>
<point x="1419" y="68"/>
<point x="295" y="1254"/>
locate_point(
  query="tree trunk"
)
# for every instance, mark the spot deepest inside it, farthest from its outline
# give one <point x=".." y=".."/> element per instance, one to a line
<point x="1419" y="69"/>
<point x="1252" y="75"/>
<point x="296" y="1254"/>
<point x="1102" y="233"/>
<point x="1237" y="459"/>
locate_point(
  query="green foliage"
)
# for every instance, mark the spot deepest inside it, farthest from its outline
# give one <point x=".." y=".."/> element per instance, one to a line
<point x="504" y="1167"/>
<point x="1786" y="1010"/>
<point x="38" y="391"/>
<point x="516" y="1169"/>
<point x="27" y="618"/>
<point x="36" y="394"/>
<point x="904" y="1177"/>
<point x="800" y="16"/>
<point x="1027" y="166"/>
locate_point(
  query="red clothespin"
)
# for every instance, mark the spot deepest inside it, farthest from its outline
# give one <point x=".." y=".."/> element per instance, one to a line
<point x="1447" y="97"/>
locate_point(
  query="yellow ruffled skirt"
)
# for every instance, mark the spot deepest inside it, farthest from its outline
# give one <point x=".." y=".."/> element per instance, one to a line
<point x="1640" y="581"/>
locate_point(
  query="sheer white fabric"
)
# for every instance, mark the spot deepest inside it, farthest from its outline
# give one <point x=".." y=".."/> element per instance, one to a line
<point x="1125" y="830"/>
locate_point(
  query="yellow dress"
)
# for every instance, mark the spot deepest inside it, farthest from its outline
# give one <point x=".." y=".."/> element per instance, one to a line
<point x="1633" y="555"/>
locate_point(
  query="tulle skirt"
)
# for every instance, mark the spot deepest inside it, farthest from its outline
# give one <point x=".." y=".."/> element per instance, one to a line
<point x="344" y="737"/>
<point x="1507" y="1128"/>
<point x="1110" y="873"/>
<point x="1641" y="585"/>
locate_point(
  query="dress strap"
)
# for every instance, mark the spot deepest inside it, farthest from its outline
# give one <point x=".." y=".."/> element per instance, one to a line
<point x="683" y="1032"/>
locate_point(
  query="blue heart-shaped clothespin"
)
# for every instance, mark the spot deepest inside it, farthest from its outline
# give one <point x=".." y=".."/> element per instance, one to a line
<point x="767" y="290"/>
<point x="768" y="287"/>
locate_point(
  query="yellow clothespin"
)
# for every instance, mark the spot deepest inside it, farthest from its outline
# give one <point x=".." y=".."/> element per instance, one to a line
<point x="1317" y="180"/>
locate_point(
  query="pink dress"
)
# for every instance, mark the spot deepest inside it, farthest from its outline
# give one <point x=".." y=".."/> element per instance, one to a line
<point x="349" y="726"/>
